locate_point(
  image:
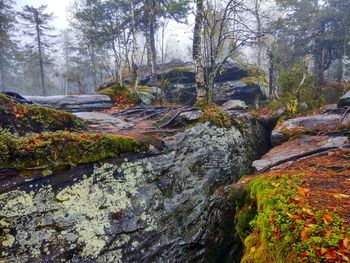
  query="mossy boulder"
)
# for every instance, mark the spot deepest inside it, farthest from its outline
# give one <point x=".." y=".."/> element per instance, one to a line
<point x="25" y="118"/>
<point x="48" y="151"/>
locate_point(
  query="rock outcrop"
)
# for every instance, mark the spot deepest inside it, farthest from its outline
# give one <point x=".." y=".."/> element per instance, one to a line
<point x="171" y="206"/>
<point x="329" y="122"/>
<point x="73" y="103"/>
<point x="232" y="83"/>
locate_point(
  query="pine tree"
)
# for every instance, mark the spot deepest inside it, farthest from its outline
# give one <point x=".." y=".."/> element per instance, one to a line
<point x="37" y="23"/>
<point x="7" y="19"/>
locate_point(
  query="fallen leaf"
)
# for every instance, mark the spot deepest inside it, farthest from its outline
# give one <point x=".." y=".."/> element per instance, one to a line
<point x="275" y="184"/>
<point x="323" y="251"/>
<point x="341" y="196"/>
<point x="309" y="222"/>
<point x="296" y="201"/>
<point x="304" y="234"/>
<point x="344" y="246"/>
<point x="331" y="254"/>
<point x="308" y="212"/>
<point x="304" y="255"/>
<point x="303" y="191"/>
<point x="295" y="217"/>
<point x="327" y="219"/>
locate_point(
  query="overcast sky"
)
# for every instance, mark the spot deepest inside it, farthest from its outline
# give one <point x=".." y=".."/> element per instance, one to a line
<point x="57" y="7"/>
<point x="178" y="37"/>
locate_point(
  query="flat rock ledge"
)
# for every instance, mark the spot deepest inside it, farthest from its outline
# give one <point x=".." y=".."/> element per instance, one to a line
<point x="73" y="103"/>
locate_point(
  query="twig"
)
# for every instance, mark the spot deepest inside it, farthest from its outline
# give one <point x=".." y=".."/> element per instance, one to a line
<point x="344" y="115"/>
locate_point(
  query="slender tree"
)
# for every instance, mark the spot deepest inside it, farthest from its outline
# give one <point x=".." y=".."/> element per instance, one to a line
<point x="198" y="51"/>
<point x="37" y="23"/>
<point x="7" y="19"/>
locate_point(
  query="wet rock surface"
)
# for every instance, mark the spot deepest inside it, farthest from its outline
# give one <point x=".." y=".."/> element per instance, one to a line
<point x="166" y="207"/>
<point x="73" y="103"/>
<point x="320" y="123"/>
<point x="296" y="149"/>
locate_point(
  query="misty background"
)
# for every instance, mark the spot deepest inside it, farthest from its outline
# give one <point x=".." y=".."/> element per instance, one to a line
<point x="85" y="43"/>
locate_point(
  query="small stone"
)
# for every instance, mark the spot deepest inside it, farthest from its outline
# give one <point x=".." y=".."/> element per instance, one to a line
<point x="234" y="105"/>
<point x="191" y="115"/>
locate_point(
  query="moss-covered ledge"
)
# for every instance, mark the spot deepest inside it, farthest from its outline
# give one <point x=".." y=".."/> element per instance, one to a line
<point x="291" y="215"/>
<point x="49" y="151"/>
<point x="214" y="114"/>
<point x="25" y="118"/>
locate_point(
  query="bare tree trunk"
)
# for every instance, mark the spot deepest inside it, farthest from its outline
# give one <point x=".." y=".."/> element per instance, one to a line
<point x="134" y="46"/>
<point x="41" y="61"/>
<point x="2" y="75"/>
<point x="197" y="52"/>
<point x="120" y="68"/>
<point x="150" y="37"/>
<point x="66" y="58"/>
<point x="93" y="64"/>
<point x="272" y="84"/>
<point x="319" y="72"/>
<point x="164" y="27"/>
<point x="259" y="30"/>
<point x="343" y="71"/>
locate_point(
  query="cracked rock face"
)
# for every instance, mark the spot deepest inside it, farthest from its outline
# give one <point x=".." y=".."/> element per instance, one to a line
<point x="168" y="207"/>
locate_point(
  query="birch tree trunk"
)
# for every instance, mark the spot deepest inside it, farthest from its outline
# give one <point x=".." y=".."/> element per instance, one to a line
<point x="134" y="45"/>
<point x="150" y="37"/>
<point x="197" y="52"/>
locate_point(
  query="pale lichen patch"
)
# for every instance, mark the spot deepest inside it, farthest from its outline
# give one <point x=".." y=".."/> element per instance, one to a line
<point x="9" y="240"/>
<point x="78" y="214"/>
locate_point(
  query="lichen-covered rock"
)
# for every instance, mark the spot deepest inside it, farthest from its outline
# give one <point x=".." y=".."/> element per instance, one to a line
<point x="168" y="207"/>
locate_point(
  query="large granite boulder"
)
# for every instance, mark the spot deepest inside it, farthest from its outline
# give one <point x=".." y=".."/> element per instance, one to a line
<point x="73" y="103"/>
<point x="167" y="207"/>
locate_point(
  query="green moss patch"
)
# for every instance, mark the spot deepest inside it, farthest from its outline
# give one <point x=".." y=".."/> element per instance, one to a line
<point x="117" y="92"/>
<point x="214" y="114"/>
<point x="59" y="149"/>
<point x="276" y="223"/>
<point x="24" y="118"/>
